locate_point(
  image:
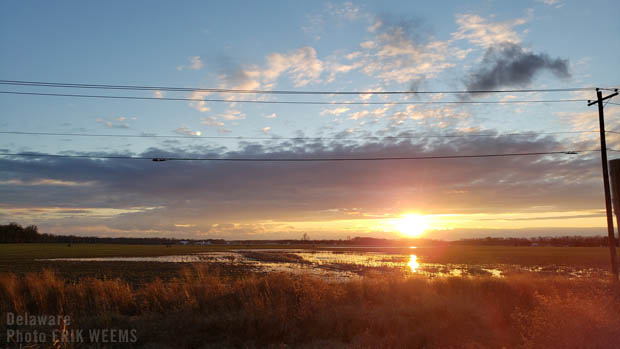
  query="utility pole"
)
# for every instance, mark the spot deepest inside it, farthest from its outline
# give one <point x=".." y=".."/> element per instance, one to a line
<point x="610" y="219"/>
<point x="614" y="177"/>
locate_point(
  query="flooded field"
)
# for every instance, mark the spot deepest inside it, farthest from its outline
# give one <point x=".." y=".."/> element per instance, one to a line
<point x="342" y="265"/>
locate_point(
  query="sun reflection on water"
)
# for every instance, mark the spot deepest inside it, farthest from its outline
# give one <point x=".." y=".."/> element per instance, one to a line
<point x="413" y="263"/>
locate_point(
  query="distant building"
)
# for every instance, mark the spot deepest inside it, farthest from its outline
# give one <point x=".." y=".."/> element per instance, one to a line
<point x="184" y="242"/>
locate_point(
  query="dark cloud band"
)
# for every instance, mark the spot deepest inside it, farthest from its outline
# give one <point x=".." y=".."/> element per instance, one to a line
<point x="509" y="65"/>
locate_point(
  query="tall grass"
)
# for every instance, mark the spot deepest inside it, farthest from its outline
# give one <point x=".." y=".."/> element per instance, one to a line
<point x="201" y="307"/>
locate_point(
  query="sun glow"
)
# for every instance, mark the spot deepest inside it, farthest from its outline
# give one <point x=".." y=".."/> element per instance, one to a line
<point x="412" y="225"/>
<point x="413" y="263"/>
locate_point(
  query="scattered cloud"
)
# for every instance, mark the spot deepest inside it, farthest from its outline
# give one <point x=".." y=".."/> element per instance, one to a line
<point x="334" y="111"/>
<point x="314" y="26"/>
<point x="211" y="121"/>
<point x="335" y="68"/>
<point x="201" y="106"/>
<point x="195" y="63"/>
<point x="232" y="114"/>
<point x="508" y="64"/>
<point x="588" y="120"/>
<point x="186" y="131"/>
<point x="554" y="3"/>
<point x="119" y="122"/>
<point x="481" y="32"/>
<point x="184" y="225"/>
<point x="358" y="115"/>
<point x="346" y="10"/>
<point x="401" y="51"/>
<point x="234" y="75"/>
<point x="301" y="66"/>
<point x="46" y="182"/>
<point x="315" y="23"/>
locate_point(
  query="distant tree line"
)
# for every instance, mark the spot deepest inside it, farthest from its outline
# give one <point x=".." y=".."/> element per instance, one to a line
<point x="15" y="233"/>
<point x="572" y="241"/>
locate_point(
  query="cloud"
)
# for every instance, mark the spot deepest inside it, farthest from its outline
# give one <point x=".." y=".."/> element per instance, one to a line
<point x="588" y="120"/>
<point x="184" y="225"/>
<point x="509" y="65"/>
<point x="334" y="111"/>
<point x="201" y="106"/>
<point x="401" y="50"/>
<point x="554" y="3"/>
<point x="301" y="66"/>
<point x="195" y="63"/>
<point x="314" y="26"/>
<point x="335" y="68"/>
<point x="481" y="32"/>
<point x="186" y="131"/>
<point x="232" y="114"/>
<point x="45" y="182"/>
<point x="211" y="121"/>
<point x="346" y="10"/>
<point x="118" y="122"/>
<point x="234" y="75"/>
<point x="358" y="115"/>
<point x="207" y="193"/>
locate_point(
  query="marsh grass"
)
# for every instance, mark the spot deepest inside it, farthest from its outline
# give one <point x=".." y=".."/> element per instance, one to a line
<point x="274" y="257"/>
<point x="201" y="307"/>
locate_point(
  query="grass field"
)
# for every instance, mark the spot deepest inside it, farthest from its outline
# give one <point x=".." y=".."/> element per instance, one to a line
<point x="202" y="308"/>
<point x="204" y="305"/>
<point x="21" y="258"/>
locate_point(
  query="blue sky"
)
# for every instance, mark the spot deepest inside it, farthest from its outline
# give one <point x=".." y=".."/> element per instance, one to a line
<point x="309" y="46"/>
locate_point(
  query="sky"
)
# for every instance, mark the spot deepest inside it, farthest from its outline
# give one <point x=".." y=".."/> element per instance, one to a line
<point x="307" y="46"/>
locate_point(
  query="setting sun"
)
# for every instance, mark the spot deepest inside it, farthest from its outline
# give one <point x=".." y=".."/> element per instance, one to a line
<point x="412" y="225"/>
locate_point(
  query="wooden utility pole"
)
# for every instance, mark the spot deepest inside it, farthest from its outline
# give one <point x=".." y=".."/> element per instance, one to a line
<point x="610" y="219"/>
<point x="614" y="174"/>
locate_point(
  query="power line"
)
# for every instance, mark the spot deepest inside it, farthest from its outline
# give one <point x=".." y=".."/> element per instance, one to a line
<point x="411" y="136"/>
<point x="287" y="102"/>
<point x="223" y="90"/>
<point x="438" y="157"/>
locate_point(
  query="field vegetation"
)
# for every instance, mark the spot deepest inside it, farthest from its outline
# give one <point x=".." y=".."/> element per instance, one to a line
<point x="31" y="257"/>
<point x="204" y="306"/>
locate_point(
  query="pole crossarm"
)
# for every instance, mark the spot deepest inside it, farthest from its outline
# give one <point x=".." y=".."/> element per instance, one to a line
<point x="604" y="98"/>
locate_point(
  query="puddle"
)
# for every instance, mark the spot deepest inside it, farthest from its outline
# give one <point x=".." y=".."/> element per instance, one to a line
<point x="341" y="265"/>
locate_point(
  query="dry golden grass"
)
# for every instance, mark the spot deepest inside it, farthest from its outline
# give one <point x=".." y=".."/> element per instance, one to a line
<point x="202" y="308"/>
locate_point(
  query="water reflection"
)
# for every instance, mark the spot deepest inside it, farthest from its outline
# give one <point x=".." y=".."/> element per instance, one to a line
<point x="345" y="264"/>
<point x="413" y="263"/>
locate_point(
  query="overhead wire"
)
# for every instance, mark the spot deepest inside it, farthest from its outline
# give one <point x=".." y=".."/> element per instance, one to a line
<point x="340" y="159"/>
<point x="409" y="136"/>
<point x="256" y="91"/>
<point x="226" y="100"/>
<point x="256" y="101"/>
